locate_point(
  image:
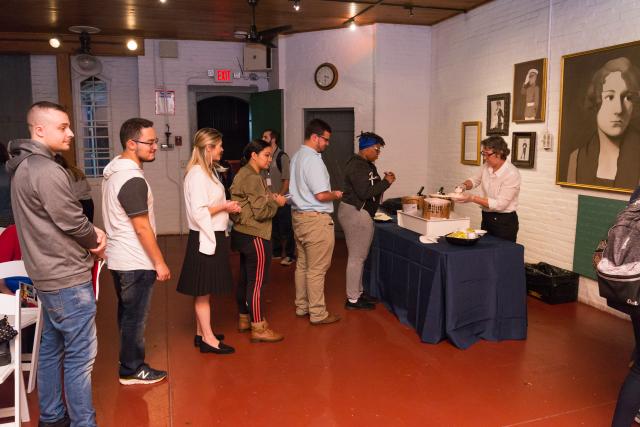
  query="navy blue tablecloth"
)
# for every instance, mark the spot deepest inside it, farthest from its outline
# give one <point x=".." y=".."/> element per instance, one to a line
<point x="461" y="293"/>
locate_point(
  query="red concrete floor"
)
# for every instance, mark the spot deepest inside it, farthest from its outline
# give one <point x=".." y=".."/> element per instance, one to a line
<point x="366" y="370"/>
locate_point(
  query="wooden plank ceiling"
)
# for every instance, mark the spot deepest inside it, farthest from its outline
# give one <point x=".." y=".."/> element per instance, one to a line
<point x="214" y="19"/>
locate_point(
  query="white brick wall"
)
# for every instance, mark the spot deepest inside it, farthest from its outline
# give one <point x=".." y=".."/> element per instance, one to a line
<point x="473" y="56"/>
<point x="121" y="75"/>
<point x="383" y="75"/>
<point x="44" y="78"/>
<point x="300" y="54"/>
<point x="402" y="72"/>
<point x="190" y="68"/>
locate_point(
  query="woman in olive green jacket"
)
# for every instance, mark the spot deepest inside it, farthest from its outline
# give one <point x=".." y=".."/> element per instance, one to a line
<point x="251" y="236"/>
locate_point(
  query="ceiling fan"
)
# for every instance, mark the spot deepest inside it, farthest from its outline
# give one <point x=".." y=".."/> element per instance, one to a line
<point x="85" y="63"/>
<point x="264" y="37"/>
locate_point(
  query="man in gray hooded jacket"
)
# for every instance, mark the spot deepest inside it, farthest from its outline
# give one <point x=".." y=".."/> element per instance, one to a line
<point x="57" y="243"/>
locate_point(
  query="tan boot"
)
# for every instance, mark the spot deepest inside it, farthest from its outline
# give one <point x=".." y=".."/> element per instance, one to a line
<point x="244" y="323"/>
<point x="260" y="331"/>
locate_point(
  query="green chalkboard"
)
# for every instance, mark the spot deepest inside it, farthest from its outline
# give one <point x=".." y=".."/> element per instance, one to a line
<point x="595" y="217"/>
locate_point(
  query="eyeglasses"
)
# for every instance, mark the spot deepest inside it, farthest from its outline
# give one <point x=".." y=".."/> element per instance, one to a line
<point x="152" y="142"/>
<point x="320" y="136"/>
<point x="487" y="153"/>
<point x="378" y="149"/>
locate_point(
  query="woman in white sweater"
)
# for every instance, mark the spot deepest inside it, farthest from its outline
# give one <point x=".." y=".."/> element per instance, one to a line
<point x="206" y="270"/>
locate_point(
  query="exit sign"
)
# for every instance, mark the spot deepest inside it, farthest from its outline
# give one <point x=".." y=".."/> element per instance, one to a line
<point x="223" y="76"/>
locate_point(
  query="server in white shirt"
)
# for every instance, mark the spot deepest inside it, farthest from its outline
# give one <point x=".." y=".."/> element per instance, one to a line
<point x="500" y="184"/>
<point x="205" y="269"/>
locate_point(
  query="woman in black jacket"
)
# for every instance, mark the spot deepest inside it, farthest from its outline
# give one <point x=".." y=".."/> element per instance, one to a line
<point x="363" y="190"/>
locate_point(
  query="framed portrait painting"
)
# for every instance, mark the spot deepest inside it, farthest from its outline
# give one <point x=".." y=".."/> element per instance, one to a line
<point x="599" y="138"/>
<point x="529" y="91"/>
<point x="471" y="132"/>
<point x="498" y="114"/>
<point x="523" y="149"/>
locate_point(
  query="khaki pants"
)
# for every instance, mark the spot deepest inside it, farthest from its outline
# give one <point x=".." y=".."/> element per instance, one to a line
<point x="315" y="240"/>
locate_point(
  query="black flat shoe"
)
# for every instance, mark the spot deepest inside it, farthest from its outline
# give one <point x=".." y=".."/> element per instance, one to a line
<point x="370" y="299"/>
<point x="222" y="348"/>
<point x="198" y="339"/>
<point x="360" y="304"/>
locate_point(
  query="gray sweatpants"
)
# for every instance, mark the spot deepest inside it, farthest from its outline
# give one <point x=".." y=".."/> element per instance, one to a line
<point x="358" y="232"/>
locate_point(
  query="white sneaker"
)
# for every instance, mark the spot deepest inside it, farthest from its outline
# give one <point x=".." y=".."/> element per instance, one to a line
<point x="637" y="418"/>
<point x="287" y="261"/>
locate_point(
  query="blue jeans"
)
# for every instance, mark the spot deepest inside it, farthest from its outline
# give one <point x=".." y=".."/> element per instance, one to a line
<point x="68" y="342"/>
<point x="133" y="289"/>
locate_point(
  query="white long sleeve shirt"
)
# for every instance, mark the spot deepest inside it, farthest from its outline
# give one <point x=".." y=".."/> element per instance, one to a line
<point x="501" y="187"/>
<point x="200" y="192"/>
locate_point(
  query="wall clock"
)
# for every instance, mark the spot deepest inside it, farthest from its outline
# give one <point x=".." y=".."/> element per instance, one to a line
<point x="326" y="76"/>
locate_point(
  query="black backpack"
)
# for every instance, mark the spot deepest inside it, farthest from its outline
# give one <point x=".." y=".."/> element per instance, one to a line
<point x="279" y="160"/>
<point x="617" y="262"/>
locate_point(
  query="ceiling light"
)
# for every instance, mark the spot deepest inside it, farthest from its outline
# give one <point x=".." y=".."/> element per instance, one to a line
<point x="54" y="42"/>
<point x="352" y="24"/>
<point x="296" y="5"/>
<point x="163" y="1"/>
<point x="132" y="44"/>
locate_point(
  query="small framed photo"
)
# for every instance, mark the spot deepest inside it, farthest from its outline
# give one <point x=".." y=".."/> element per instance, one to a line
<point x="529" y="91"/>
<point x="498" y="113"/>
<point x="471" y="132"/>
<point x="523" y="149"/>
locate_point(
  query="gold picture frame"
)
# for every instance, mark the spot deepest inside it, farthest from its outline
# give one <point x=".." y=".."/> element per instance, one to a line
<point x="584" y="76"/>
<point x="470" y="143"/>
<point x="530" y="91"/>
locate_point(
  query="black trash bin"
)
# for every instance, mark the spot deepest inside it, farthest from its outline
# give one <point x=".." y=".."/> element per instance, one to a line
<point x="551" y="284"/>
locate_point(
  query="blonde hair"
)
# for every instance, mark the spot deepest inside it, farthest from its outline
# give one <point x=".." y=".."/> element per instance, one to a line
<point x="202" y="138"/>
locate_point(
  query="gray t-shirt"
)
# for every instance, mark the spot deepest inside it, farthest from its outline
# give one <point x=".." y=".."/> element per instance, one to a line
<point x="274" y="173"/>
<point x="133" y="197"/>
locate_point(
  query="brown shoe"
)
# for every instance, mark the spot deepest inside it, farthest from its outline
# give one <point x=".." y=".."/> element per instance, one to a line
<point x="331" y="318"/>
<point x="260" y="332"/>
<point x="244" y="323"/>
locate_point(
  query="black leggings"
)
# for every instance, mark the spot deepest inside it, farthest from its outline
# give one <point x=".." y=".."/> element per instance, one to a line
<point x="629" y="396"/>
<point x="503" y="225"/>
<point x="255" y="260"/>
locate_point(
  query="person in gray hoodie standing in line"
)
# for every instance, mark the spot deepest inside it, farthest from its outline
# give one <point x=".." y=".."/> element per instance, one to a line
<point x="133" y="255"/>
<point x="363" y="190"/>
<point x="57" y="242"/>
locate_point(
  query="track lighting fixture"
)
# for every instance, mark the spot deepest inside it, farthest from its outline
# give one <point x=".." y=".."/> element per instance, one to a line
<point x="296" y="5"/>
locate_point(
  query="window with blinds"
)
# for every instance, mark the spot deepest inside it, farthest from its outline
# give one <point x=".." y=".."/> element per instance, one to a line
<point x="95" y="122"/>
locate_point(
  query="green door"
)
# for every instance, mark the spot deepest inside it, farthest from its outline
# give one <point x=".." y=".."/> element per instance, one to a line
<point x="266" y="113"/>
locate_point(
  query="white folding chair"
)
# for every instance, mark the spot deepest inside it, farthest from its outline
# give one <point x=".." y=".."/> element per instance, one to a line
<point x="30" y="316"/>
<point x="10" y="306"/>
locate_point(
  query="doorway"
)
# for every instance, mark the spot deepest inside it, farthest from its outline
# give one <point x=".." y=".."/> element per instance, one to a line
<point x="339" y="150"/>
<point x="229" y="115"/>
<point x="234" y="124"/>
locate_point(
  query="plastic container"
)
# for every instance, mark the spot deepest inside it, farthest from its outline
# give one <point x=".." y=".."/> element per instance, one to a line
<point x="412" y="205"/>
<point x="436" y="208"/>
<point x="551" y="284"/>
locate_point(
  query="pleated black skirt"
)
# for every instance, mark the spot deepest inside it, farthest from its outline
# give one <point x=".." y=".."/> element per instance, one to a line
<point x="205" y="274"/>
